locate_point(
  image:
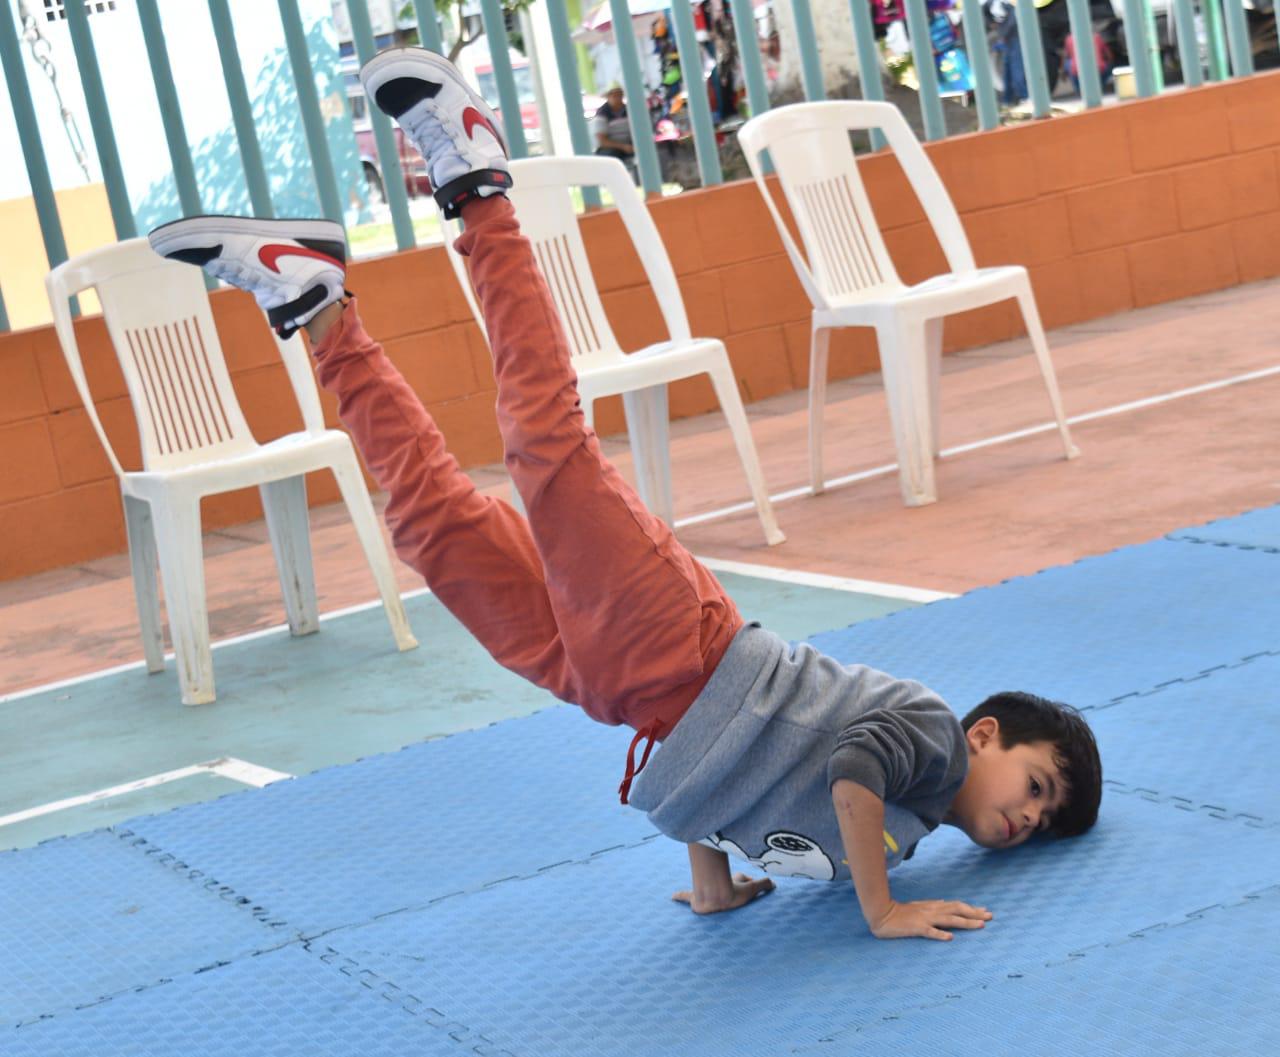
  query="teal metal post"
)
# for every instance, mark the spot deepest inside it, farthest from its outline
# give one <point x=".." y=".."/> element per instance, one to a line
<point x="975" y="43"/>
<point x="935" y="125"/>
<point x="864" y="41"/>
<point x="4" y="316"/>
<point x="104" y="137"/>
<point x="1032" y="45"/>
<point x="383" y="134"/>
<point x="744" y="25"/>
<point x="567" y="68"/>
<point x="1188" y="44"/>
<point x="428" y="25"/>
<point x="1219" y="67"/>
<point x="495" y="29"/>
<point x="255" y="172"/>
<point x="1135" y="41"/>
<point x="295" y="39"/>
<point x="55" y="246"/>
<point x="810" y="64"/>
<point x="704" y="132"/>
<point x="637" y="97"/>
<point x="1238" y="38"/>
<point x="1153" y="47"/>
<point x="175" y="133"/>
<point x="1086" y="57"/>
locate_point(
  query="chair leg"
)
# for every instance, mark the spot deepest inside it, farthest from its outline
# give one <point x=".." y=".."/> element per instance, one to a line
<point x="146" y="588"/>
<point x="649" y="433"/>
<point x="933" y="350"/>
<point x="906" y="385"/>
<point x="359" y="506"/>
<point x="178" y="541"/>
<point x="285" y="504"/>
<point x="1031" y="317"/>
<point x="819" y="347"/>
<point x="726" y="387"/>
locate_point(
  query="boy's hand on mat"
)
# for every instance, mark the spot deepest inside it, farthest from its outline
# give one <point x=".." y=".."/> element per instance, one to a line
<point x="740" y="891"/>
<point x="928" y="918"/>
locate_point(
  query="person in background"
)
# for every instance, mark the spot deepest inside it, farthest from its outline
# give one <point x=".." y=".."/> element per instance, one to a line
<point x="1055" y="25"/>
<point x="612" y="127"/>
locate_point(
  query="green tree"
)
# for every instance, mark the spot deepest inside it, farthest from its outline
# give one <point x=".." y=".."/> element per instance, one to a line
<point x="461" y="32"/>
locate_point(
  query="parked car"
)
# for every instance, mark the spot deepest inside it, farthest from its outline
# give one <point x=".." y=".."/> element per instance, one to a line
<point x="530" y="119"/>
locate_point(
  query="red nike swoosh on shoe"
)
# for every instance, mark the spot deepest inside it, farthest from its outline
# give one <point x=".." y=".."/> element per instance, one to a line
<point x="471" y="117"/>
<point x="269" y="255"/>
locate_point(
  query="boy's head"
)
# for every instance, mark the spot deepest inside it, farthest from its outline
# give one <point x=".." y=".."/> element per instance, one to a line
<point x="1033" y="765"/>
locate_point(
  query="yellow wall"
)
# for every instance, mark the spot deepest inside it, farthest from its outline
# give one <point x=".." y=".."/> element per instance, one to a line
<point x="86" y="224"/>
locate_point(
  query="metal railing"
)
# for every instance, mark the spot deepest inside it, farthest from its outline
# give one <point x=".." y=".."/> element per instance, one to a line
<point x="1224" y="22"/>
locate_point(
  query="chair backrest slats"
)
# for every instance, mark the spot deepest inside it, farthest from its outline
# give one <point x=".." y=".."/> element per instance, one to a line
<point x="154" y="425"/>
<point x="844" y="257"/>
<point x="172" y="388"/>
<point x="542" y="199"/>
<point x="549" y="222"/>
<point x="556" y="258"/>
<point x="161" y="326"/>
<point x="197" y="399"/>
<point x="213" y="399"/>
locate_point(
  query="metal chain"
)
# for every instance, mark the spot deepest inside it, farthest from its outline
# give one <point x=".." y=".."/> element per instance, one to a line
<point x="42" y="51"/>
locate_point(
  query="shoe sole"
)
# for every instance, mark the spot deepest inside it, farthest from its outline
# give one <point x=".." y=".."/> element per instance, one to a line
<point x="409" y="62"/>
<point x="177" y="234"/>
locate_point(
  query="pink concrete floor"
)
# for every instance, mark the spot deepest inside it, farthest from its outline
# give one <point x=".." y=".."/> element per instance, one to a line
<point x="1004" y="510"/>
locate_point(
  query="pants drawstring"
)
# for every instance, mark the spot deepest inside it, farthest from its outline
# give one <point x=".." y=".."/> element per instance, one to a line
<point x="650" y="734"/>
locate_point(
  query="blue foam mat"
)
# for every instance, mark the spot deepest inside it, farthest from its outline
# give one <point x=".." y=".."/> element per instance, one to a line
<point x="1258" y="529"/>
<point x="592" y="958"/>
<point x="89" y="916"/>
<point x="284" y="1003"/>
<point x="490" y="884"/>
<point x="1088" y="633"/>
<point x="1205" y="745"/>
<point x="1201" y="986"/>
<point x="385" y="833"/>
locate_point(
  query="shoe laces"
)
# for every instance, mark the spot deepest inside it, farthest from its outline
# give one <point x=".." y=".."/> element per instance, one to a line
<point x="435" y="141"/>
<point x="267" y="293"/>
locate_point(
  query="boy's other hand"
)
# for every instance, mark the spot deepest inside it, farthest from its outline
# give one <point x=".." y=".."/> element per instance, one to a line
<point x="740" y="891"/>
<point x="928" y="918"/>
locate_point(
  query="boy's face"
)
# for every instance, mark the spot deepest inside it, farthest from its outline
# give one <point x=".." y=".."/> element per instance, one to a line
<point x="1008" y="794"/>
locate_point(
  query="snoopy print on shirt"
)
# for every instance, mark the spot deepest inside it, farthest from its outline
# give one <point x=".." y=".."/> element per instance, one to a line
<point x="790" y="854"/>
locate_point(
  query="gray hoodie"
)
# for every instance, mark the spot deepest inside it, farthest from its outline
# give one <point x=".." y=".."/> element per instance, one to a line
<point x="749" y="768"/>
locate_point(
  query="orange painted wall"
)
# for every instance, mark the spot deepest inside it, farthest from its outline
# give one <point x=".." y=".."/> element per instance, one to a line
<point x="1114" y="209"/>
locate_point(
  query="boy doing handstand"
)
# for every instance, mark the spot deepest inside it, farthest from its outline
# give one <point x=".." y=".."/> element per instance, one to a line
<point x="770" y="752"/>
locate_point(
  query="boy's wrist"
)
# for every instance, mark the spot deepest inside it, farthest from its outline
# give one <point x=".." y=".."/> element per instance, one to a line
<point x="860" y="814"/>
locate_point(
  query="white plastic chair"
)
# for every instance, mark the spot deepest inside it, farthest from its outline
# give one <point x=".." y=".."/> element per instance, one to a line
<point x="851" y="280"/>
<point x="195" y="442"/>
<point x="541" y="197"/>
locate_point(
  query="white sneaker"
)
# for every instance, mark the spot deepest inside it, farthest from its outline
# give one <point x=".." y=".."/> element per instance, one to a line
<point x="450" y="124"/>
<point x="293" y="268"/>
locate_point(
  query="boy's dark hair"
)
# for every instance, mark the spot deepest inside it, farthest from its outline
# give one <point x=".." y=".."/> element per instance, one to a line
<point x="1025" y="718"/>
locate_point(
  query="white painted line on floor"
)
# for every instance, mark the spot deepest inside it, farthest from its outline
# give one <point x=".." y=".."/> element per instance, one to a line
<point x="1003" y="438"/>
<point x="227" y="767"/>
<point x="835" y="583"/>
<point x="245" y="772"/>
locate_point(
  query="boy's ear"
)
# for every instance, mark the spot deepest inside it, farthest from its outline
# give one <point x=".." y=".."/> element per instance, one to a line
<point x="982" y="732"/>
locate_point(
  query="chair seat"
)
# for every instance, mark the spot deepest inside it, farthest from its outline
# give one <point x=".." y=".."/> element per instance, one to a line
<point x="657" y="364"/>
<point x="938" y="295"/>
<point x="286" y="456"/>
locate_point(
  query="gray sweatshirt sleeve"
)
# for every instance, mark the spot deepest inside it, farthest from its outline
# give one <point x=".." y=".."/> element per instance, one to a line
<point x="910" y="750"/>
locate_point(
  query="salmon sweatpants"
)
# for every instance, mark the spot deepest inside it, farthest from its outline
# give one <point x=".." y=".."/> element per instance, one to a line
<point x="591" y="597"/>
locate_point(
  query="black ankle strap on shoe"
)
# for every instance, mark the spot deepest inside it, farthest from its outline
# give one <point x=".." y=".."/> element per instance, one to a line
<point x="282" y="317"/>
<point x="457" y="193"/>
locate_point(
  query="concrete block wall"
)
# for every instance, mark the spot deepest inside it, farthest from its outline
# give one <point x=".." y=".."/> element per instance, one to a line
<point x="1135" y="204"/>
